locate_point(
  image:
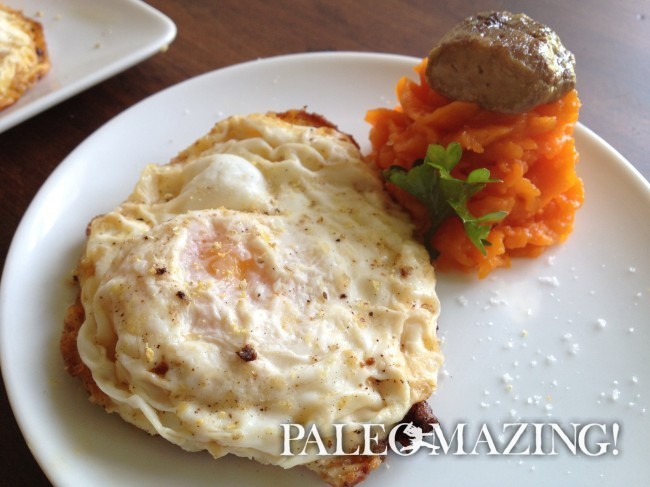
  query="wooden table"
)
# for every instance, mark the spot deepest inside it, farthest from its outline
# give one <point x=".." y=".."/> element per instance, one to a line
<point x="611" y="41"/>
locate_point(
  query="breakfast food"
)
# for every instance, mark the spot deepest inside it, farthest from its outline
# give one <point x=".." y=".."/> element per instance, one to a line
<point x="262" y="277"/>
<point x="531" y="153"/>
<point x="23" y="55"/>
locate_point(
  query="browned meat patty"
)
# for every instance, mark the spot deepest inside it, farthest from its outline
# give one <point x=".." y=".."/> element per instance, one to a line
<point x="505" y="62"/>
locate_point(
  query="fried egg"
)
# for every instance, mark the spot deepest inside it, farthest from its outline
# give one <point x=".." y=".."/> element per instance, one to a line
<point x="262" y="277"/>
<point x="23" y="55"/>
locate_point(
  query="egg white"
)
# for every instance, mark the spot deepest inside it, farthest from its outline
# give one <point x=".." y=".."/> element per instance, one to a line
<point x="272" y="237"/>
<point x="23" y="54"/>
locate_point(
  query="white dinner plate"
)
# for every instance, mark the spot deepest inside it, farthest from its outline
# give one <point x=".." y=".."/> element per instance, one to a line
<point x="560" y="339"/>
<point x="88" y="41"/>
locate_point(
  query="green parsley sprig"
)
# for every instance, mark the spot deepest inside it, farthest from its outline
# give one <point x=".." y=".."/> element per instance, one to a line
<point x="430" y="182"/>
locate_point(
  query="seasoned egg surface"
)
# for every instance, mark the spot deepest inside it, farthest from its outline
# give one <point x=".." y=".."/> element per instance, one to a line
<point x="263" y="277"/>
<point x="23" y="55"/>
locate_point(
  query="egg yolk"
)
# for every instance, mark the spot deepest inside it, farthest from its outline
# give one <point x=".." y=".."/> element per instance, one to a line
<point x="232" y="260"/>
<point x="222" y="262"/>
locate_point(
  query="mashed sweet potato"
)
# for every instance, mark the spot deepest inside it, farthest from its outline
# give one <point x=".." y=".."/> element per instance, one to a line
<point x="533" y="153"/>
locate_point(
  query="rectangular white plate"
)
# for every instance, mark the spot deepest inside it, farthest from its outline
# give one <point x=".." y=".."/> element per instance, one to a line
<point x="88" y="41"/>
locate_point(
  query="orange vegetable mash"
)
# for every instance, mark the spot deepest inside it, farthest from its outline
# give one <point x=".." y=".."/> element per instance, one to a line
<point x="533" y="153"/>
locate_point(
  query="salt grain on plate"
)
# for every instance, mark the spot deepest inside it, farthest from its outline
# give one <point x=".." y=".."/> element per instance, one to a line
<point x="550" y="280"/>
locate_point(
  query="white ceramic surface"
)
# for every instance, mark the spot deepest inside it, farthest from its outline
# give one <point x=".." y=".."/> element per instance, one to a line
<point x="88" y="41"/>
<point x="559" y="339"/>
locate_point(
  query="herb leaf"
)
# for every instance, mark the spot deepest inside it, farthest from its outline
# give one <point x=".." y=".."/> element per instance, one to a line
<point x="430" y="182"/>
